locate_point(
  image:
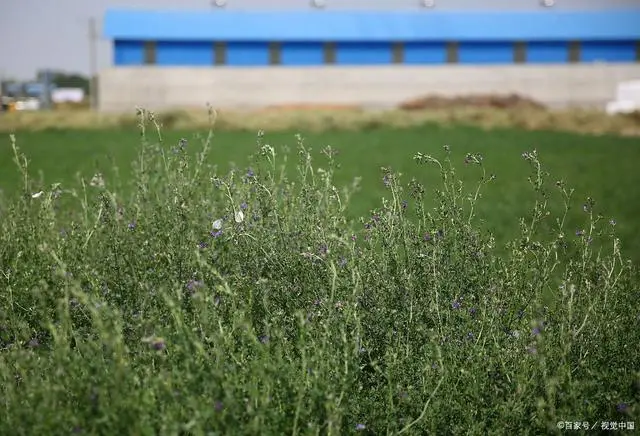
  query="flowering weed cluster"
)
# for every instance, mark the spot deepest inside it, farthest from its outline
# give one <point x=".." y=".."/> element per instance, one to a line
<point x="247" y="303"/>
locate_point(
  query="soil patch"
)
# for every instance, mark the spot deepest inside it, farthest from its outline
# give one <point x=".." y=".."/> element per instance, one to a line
<point x="511" y="101"/>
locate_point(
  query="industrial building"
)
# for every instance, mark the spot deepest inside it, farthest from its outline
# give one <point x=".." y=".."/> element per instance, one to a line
<point x="247" y="58"/>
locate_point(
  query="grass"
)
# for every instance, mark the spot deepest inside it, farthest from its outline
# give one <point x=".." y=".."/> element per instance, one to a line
<point x="586" y="163"/>
<point x="174" y="296"/>
<point x="283" y="119"/>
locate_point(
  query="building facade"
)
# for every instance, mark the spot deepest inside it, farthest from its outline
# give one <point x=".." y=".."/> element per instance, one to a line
<point x="339" y="55"/>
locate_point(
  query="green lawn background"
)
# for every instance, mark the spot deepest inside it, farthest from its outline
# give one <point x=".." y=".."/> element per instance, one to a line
<point x="603" y="167"/>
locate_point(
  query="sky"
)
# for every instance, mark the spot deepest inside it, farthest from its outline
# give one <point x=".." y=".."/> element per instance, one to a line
<point x="37" y="34"/>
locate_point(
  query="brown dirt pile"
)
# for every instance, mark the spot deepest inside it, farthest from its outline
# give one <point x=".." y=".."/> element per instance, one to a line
<point x="511" y="101"/>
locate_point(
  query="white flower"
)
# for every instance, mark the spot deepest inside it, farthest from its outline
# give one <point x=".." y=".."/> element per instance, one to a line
<point x="217" y="224"/>
<point x="97" y="180"/>
<point x="37" y="194"/>
<point x="239" y="216"/>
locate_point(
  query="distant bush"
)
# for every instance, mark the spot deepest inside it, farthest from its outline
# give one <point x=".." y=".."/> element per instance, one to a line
<point x="246" y="303"/>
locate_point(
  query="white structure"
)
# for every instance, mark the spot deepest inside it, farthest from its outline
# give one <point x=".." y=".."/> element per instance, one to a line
<point x="627" y="98"/>
<point x="67" y="95"/>
<point x="30" y="104"/>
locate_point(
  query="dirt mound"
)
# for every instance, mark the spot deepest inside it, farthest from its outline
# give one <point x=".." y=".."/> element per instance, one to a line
<point x="511" y="101"/>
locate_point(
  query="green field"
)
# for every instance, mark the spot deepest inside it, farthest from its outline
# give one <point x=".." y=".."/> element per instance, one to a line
<point x="601" y="167"/>
<point x="235" y="295"/>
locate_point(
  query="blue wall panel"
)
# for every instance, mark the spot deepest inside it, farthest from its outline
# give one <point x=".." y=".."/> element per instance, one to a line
<point x="363" y="53"/>
<point x="547" y="52"/>
<point x="355" y="26"/>
<point x="184" y="53"/>
<point x="247" y="54"/>
<point x="608" y="51"/>
<point x="485" y="52"/>
<point x="425" y="52"/>
<point x="365" y="37"/>
<point x="302" y="53"/>
<point x="126" y="53"/>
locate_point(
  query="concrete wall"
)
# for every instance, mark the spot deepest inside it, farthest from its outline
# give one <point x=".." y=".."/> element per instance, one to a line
<point x="123" y="89"/>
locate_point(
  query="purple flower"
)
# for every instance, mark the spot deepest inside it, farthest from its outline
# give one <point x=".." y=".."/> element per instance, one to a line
<point x="579" y="232"/>
<point x="243" y="205"/>
<point x="360" y="427"/>
<point x="622" y="407"/>
<point x="202" y="245"/>
<point x="218" y="406"/>
<point x="34" y="343"/>
<point x="471" y="336"/>
<point x="455" y="305"/>
<point x="473" y="311"/>
<point x="264" y="339"/>
<point x="193" y="284"/>
<point x="216" y="233"/>
<point x="427" y="237"/>
<point x="158" y="344"/>
<point x="538" y="329"/>
<point x="250" y="173"/>
<point x="323" y="250"/>
<point x="132" y="225"/>
<point x="532" y="350"/>
<point x="343" y="262"/>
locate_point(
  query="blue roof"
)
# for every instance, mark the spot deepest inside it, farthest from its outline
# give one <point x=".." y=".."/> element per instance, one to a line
<point x="370" y="26"/>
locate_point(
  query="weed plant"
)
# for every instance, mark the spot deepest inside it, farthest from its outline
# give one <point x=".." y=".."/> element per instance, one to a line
<point x="246" y="303"/>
